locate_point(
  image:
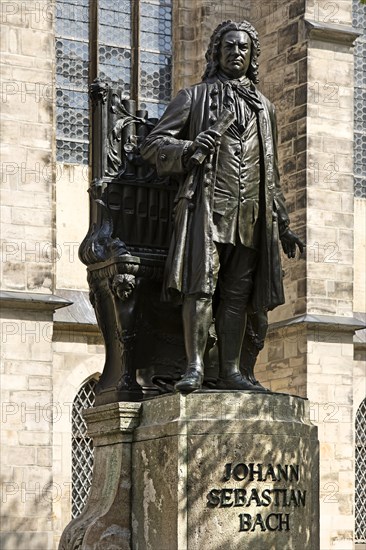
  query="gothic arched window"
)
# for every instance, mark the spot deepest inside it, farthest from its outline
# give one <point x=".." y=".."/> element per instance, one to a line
<point x="360" y="471"/>
<point x="82" y="456"/>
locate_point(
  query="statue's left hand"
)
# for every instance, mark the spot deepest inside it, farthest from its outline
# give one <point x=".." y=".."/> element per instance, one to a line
<point x="289" y="242"/>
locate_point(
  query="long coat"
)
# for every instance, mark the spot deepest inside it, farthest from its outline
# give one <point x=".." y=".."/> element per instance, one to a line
<point x="189" y="262"/>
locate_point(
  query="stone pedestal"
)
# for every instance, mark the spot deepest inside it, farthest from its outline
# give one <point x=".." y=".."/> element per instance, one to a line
<point x="225" y="470"/>
<point x="214" y="470"/>
<point x="105" y="521"/>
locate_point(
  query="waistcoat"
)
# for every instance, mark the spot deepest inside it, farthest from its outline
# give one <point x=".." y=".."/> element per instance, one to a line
<point x="236" y="194"/>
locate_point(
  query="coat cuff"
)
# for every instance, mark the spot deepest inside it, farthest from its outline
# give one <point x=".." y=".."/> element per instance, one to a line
<point x="171" y="158"/>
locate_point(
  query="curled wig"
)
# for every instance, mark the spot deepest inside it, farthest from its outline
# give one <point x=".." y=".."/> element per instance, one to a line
<point x="212" y="54"/>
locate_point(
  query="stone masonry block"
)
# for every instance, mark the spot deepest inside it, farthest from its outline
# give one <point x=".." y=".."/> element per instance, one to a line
<point x="301" y="95"/>
<point x="297" y="113"/>
<point x="13" y="59"/>
<point x="13" y="382"/>
<point x="331" y="128"/>
<point x="27" y="76"/>
<point x="13" y="276"/>
<point x="44" y="456"/>
<point x="39" y="383"/>
<point x="347" y="202"/>
<point x="288" y="132"/>
<point x="25" y="216"/>
<point x="28" y="540"/>
<point x="323" y="69"/>
<point x="322" y="306"/>
<point x="296" y="52"/>
<point x="319" y="200"/>
<point x="28" y="368"/>
<point x="39" y="277"/>
<point x="20" y="456"/>
<point x="36" y="43"/>
<point x="296" y="9"/>
<point x="34" y="439"/>
<point x="19" y="107"/>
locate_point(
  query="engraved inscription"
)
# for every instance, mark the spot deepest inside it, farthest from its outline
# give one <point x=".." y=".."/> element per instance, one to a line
<point x="286" y="498"/>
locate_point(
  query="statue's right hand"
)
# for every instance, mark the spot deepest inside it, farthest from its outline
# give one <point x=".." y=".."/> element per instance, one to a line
<point x="206" y="141"/>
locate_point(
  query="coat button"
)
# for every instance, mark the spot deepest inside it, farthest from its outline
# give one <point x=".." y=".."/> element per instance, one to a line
<point x="163" y="156"/>
<point x="214" y="92"/>
<point x="191" y="206"/>
<point x="213" y="106"/>
<point x="208" y="167"/>
<point x="212" y="120"/>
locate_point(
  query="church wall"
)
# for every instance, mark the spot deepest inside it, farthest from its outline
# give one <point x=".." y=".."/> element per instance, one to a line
<point x="27" y="248"/>
<point x="78" y="356"/>
<point x="26" y="429"/>
<point x="316" y="163"/>
<point x="72" y="222"/>
<point x="44" y="216"/>
<point x="27" y="168"/>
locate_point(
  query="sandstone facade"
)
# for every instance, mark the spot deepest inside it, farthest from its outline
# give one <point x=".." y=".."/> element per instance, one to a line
<point x="49" y="349"/>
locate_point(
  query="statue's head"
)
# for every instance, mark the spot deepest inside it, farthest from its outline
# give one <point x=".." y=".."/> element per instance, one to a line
<point x="234" y="49"/>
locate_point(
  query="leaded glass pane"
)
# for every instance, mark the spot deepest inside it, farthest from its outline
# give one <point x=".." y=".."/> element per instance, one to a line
<point x="156" y="57"/>
<point x="359" y="21"/>
<point x="115" y="66"/>
<point x="156" y="110"/>
<point x="360" y="459"/>
<point x="72" y="64"/>
<point x="115" y="36"/>
<point x="156" y="27"/>
<point x="75" y="12"/>
<point x="73" y="152"/>
<point x="115" y="23"/>
<point x="81" y="448"/>
<point x="156" y="75"/>
<point x="72" y="70"/>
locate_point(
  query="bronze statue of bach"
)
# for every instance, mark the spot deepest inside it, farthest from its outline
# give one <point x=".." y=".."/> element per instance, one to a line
<point x="230" y="214"/>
